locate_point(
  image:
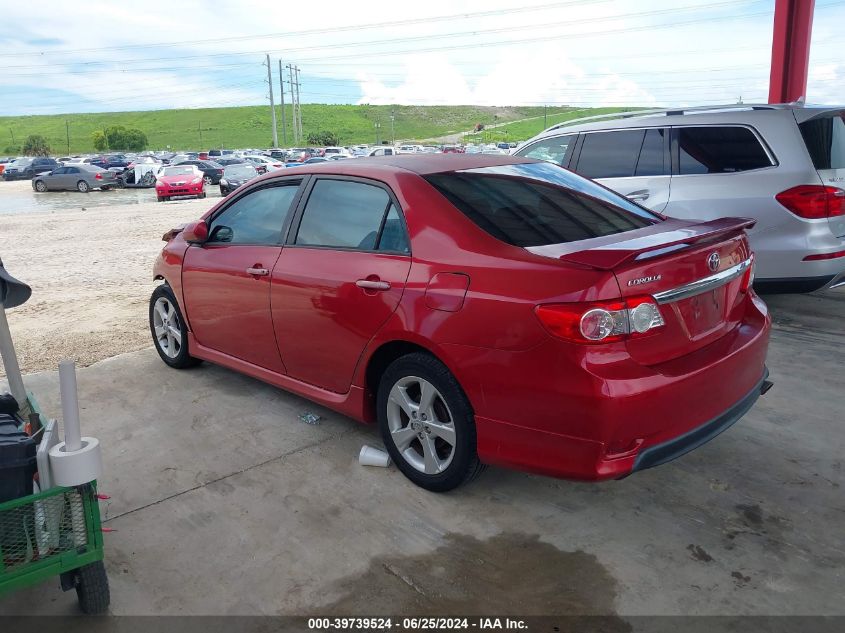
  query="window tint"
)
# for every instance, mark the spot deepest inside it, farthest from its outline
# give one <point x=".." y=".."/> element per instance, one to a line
<point x="526" y="206"/>
<point x="71" y="170"/>
<point x="652" y="155"/>
<point x="825" y="140"/>
<point x="610" y="154"/>
<point x="555" y="150"/>
<point x="719" y="150"/>
<point x="393" y="236"/>
<point x="256" y="218"/>
<point x="343" y="214"/>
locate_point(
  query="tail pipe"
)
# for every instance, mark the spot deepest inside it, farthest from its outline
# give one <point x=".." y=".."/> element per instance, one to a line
<point x="764" y="388"/>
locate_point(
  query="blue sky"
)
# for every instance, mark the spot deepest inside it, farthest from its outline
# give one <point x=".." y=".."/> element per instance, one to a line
<point x="109" y="56"/>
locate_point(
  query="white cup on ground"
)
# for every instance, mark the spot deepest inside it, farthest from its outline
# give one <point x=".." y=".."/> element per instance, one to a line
<point x="370" y="456"/>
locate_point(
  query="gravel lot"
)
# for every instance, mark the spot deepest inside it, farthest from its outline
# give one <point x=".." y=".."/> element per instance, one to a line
<point x="88" y="258"/>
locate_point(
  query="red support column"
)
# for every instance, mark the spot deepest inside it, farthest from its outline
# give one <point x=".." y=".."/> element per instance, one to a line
<point x="790" y="50"/>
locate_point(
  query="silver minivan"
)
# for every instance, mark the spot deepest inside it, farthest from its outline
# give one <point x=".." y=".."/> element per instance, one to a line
<point x="782" y="165"/>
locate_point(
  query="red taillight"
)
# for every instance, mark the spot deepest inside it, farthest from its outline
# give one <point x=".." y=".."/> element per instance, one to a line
<point x="820" y="256"/>
<point x="813" y="202"/>
<point x="601" y="322"/>
<point x="748" y="275"/>
<point x="98" y="176"/>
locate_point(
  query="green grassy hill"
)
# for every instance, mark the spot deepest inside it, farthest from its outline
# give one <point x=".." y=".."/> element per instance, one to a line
<point x="525" y="129"/>
<point x="249" y="126"/>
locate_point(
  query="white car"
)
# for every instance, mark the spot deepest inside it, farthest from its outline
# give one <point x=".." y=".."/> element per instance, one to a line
<point x="269" y="164"/>
<point x="410" y="149"/>
<point x="336" y="151"/>
<point x="383" y="151"/>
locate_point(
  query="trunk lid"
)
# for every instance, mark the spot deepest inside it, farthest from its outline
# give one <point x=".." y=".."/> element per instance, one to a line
<point x="824" y="136"/>
<point x="693" y="270"/>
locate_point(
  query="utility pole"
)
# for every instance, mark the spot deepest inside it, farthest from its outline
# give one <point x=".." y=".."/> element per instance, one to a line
<point x="199" y="129"/>
<point x="272" y="105"/>
<point x="293" y="104"/>
<point x="378" y="131"/>
<point x="13" y="135"/>
<point x="298" y="105"/>
<point x="392" y="126"/>
<point x="282" y="90"/>
<point x="545" y="118"/>
<point x="67" y="134"/>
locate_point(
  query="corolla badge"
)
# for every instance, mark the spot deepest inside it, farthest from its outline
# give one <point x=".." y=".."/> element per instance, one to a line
<point x="643" y="280"/>
<point x="713" y="261"/>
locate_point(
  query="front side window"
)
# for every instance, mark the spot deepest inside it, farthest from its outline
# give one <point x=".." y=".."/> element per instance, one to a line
<point x="554" y="150"/>
<point x="537" y="204"/>
<point x="255" y="218"/>
<point x="610" y="154"/>
<point x="719" y="150"/>
<point x="347" y="214"/>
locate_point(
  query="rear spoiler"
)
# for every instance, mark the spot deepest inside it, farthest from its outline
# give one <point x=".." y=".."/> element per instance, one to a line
<point x="672" y="235"/>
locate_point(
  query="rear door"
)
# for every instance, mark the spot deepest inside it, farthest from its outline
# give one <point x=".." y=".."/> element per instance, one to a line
<point x="338" y="279"/>
<point x="824" y="137"/>
<point x="226" y="281"/>
<point x="634" y="163"/>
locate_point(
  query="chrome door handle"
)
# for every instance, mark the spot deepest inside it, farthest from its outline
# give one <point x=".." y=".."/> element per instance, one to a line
<point x="258" y="272"/>
<point x="638" y="195"/>
<point x="368" y="284"/>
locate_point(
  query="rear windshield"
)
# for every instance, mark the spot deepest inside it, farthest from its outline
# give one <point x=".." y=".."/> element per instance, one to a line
<point x="825" y="140"/>
<point x="536" y="204"/>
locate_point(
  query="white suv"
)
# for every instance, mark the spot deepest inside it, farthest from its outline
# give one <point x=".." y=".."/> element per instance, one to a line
<point x="782" y="165"/>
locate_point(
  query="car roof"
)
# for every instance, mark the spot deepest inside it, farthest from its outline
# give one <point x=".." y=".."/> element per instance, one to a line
<point x="424" y="164"/>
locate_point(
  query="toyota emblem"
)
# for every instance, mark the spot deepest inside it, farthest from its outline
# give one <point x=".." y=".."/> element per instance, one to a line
<point x="713" y="261"/>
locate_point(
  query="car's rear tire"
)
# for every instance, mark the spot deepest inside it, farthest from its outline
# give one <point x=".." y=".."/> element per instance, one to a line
<point x="82" y="186"/>
<point x="168" y="328"/>
<point x="427" y="423"/>
<point x="105" y="187"/>
<point x="40" y="186"/>
<point x="208" y="180"/>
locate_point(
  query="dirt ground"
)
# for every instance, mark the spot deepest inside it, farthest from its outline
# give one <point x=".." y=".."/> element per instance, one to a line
<point x="88" y="258"/>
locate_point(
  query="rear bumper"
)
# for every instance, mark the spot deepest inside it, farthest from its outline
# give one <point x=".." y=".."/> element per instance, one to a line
<point x="797" y="284"/>
<point x="592" y="417"/>
<point x="683" y="444"/>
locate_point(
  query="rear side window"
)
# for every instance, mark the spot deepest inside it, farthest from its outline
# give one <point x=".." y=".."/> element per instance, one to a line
<point x="622" y="154"/>
<point x="554" y="150"/>
<point x="350" y="214"/>
<point x="719" y="150"/>
<point x="825" y="140"/>
<point x="536" y="204"/>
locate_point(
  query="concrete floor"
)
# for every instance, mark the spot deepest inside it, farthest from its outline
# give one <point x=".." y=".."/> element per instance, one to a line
<point x="224" y="502"/>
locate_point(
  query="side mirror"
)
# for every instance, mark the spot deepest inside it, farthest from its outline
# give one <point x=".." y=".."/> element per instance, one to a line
<point x="196" y="232"/>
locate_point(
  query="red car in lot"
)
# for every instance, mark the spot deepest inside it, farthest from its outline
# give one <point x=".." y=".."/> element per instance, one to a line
<point x="179" y="180"/>
<point x="481" y="309"/>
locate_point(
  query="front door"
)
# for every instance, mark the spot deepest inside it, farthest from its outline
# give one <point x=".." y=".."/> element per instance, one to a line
<point x="338" y="279"/>
<point x="226" y="281"/>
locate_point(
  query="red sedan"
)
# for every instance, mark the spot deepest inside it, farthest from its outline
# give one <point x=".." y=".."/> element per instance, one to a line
<point x="481" y="309"/>
<point x="179" y="180"/>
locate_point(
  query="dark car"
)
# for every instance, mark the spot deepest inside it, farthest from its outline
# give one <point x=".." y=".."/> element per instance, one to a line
<point x="77" y="177"/>
<point x="230" y="160"/>
<point x="236" y="175"/>
<point x="26" y="168"/>
<point x="212" y="171"/>
<point x="111" y="161"/>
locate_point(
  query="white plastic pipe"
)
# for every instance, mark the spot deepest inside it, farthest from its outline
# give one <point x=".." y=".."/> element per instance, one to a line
<point x="10" y="361"/>
<point x="70" y="405"/>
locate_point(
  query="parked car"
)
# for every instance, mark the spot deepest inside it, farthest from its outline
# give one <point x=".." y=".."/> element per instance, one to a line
<point x="781" y="165"/>
<point x="212" y="171"/>
<point x="480" y="309"/>
<point x="78" y="177"/>
<point x="453" y="149"/>
<point x="335" y="151"/>
<point x="236" y="175"/>
<point x="26" y="168"/>
<point x="112" y="161"/>
<point x="229" y="160"/>
<point x="180" y="180"/>
<point x="214" y="154"/>
<point x="4" y="162"/>
<point x="409" y="149"/>
<point x="264" y="164"/>
<point x="383" y="151"/>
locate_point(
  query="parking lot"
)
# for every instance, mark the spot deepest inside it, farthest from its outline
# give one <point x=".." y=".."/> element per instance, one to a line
<point x="224" y="502"/>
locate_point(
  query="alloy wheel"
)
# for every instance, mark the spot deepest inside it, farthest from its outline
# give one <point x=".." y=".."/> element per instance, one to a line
<point x="167" y="328"/>
<point x="421" y="425"/>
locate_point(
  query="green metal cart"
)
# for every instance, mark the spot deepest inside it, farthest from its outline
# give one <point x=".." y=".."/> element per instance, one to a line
<point x="55" y="533"/>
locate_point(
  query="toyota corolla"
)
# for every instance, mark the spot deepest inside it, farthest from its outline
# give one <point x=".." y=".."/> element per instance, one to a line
<point x="480" y="309"/>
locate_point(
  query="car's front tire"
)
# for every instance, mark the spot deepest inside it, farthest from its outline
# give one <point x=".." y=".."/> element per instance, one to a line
<point x="168" y="328"/>
<point x="427" y="423"/>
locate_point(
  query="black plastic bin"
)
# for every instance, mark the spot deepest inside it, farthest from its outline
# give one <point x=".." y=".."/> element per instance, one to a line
<point x="17" y="460"/>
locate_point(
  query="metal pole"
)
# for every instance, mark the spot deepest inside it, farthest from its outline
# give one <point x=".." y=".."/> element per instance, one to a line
<point x="392" y="127"/>
<point x="272" y="105"/>
<point x="10" y="361"/>
<point x="282" y="90"/>
<point x="293" y="104"/>
<point x="67" y="133"/>
<point x="298" y="105"/>
<point x="793" y="27"/>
